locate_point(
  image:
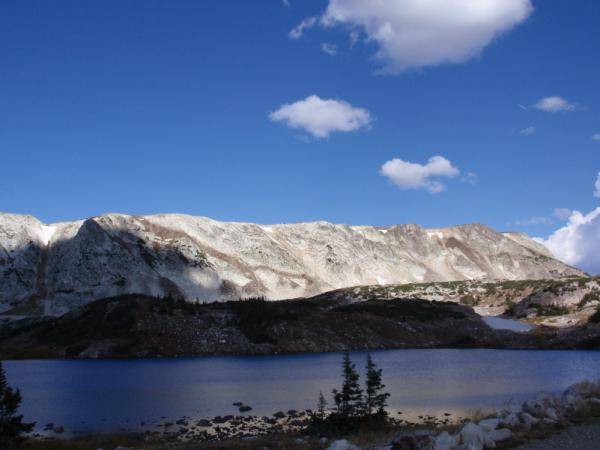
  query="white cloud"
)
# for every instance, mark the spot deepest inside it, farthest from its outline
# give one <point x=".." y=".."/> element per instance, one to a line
<point x="596" y="137"/>
<point x="408" y="175"/>
<point x="286" y="3"/>
<point x="527" y="131"/>
<point x="578" y="242"/>
<point x="597" y="186"/>
<point x="330" y="49"/>
<point x="298" y="30"/>
<point x="321" y="117"/>
<point x="411" y="34"/>
<point x="562" y="213"/>
<point x="554" y="104"/>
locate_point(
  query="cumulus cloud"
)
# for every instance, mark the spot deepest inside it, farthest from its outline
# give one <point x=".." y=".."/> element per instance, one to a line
<point x="330" y="49"/>
<point x="412" y="34"/>
<point x="596" y="137"/>
<point x="554" y="104"/>
<point x="527" y="131"/>
<point x="321" y="117"/>
<point x="408" y="175"/>
<point x="578" y="242"/>
<point x="298" y="30"/>
<point x="597" y="186"/>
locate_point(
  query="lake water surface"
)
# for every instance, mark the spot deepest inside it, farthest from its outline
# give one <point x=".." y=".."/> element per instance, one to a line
<point x="109" y="395"/>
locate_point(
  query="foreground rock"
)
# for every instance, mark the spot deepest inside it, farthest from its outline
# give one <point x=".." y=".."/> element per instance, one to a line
<point x="536" y="418"/>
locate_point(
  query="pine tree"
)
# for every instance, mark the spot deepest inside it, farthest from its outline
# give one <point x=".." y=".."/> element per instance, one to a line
<point x="12" y="426"/>
<point x="375" y="398"/>
<point x="321" y="406"/>
<point x="349" y="401"/>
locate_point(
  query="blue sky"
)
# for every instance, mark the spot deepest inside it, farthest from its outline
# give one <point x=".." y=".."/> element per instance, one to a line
<point x="160" y="106"/>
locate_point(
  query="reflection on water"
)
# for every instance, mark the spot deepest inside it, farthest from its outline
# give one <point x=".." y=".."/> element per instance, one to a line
<point x="108" y="395"/>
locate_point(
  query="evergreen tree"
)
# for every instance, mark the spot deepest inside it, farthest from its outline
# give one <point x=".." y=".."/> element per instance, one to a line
<point x="321" y="406"/>
<point x="349" y="401"/>
<point x="375" y="398"/>
<point x="11" y="425"/>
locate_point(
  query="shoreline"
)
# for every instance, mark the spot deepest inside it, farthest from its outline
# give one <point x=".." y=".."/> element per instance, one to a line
<point x="546" y="417"/>
<point x="299" y="353"/>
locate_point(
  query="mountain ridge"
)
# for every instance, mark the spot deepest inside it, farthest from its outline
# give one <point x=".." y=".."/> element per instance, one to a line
<point x="53" y="268"/>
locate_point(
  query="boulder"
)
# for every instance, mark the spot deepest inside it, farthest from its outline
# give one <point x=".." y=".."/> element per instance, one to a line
<point x="552" y="414"/>
<point x="509" y="419"/>
<point x="528" y="421"/>
<point x="446" y="441"/>
<point x="475" y="436"/>
<point x="342" y="444"/>
<point x="489" y="424"/>
<point x="499" y="435"/>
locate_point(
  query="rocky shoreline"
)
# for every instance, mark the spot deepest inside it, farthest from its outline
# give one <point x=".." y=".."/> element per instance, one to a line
<point x="536" y="418"/>
<point x="508" y="427"/>
<point x="243" y="427"/>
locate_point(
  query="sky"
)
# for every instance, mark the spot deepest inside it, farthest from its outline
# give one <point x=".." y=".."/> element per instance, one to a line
<point x="436" y="112"/>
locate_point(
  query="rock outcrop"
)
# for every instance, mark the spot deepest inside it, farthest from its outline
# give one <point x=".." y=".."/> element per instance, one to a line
<point x="51" y="269"/>
<point x="565" y="302"/>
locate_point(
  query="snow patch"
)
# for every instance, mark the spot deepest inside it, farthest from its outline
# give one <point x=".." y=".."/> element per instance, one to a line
<point x="437" y="234"/>
<point x="46" y="232"/>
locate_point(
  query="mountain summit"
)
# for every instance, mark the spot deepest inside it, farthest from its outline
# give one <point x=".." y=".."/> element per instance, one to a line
<point x="50" y="269"/>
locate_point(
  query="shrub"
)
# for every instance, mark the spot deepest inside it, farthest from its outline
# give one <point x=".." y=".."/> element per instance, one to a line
<point x="595" y="318"/>
<point x="469" y="300"/>
<point x="589" y="297"/>
<point x="12" y="426"/>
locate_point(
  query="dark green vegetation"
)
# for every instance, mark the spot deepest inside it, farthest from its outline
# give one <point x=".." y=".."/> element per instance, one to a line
<point x="355" y="409"/>
<point x="12" y="426"/>
<point x="361" y="318"/>
<point x="136" y="326"/>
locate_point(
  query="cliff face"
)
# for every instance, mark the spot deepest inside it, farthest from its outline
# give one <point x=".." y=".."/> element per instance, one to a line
<point x="50" y="269"/>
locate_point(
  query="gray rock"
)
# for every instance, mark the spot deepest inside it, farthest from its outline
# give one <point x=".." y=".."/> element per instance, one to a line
<point x="527" y="421"/>
<point x="446" y="441"/>
<point x="476" y="437"/>
<point x="489" y="424"/>
<point x="499" y="435"/>
<point x="343" y="444"/>
<point x="196" y="258"/>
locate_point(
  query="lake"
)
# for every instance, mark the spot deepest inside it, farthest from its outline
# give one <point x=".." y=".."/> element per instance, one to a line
<point x="110" y="395"/>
